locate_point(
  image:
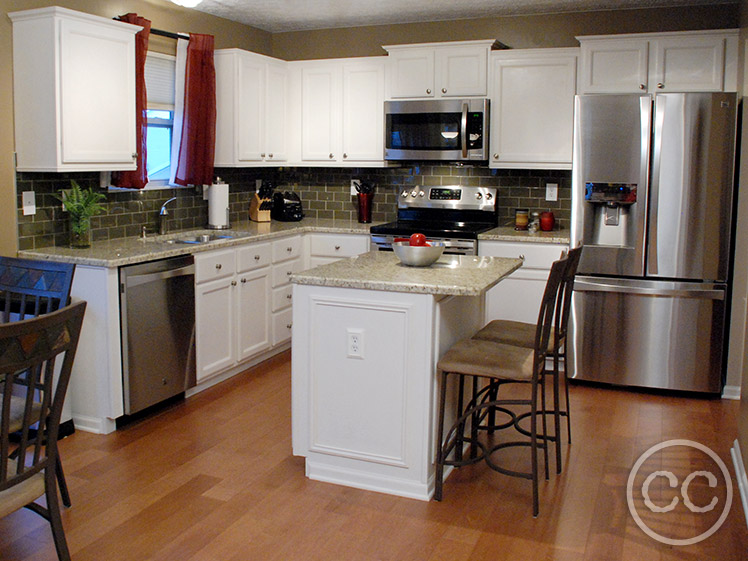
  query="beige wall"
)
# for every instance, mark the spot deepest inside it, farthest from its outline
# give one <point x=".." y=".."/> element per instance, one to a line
<point x="518" y="32"/>
<point x="163" y="15"/>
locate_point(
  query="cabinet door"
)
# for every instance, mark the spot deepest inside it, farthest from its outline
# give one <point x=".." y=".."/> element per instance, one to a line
<point x="412" y="73"/>
<point x="282" y="324"/>
<point x="320" y="111"/>
<point x="463" y="71"/>
<point x="688" y="64"/>
<point x="97" y="95"/>
<point x="226" y="70"/>
<point x="532" y="111"/>
<point x="214" y="321"/>
<point x="276" y="94"/>
<point x="250" y="109"/>
<point x="253" y="319"/>
<point x="614" y="66"/>
<point x="363" y="117"/>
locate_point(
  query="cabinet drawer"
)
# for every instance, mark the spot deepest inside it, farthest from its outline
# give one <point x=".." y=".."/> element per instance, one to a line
<point x="287" y="248"/>
<point x="253" y="257"/>
<point x="537" y="255"/>
<point x="282" y="297"/>
<point x="282" y="271"/>
<point x="338" y="246"/>
<point x="282" y="326"/>
<point x="214" y="265"/>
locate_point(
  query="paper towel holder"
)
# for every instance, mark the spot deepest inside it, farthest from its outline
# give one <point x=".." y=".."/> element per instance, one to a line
<point x="218" y="206"/>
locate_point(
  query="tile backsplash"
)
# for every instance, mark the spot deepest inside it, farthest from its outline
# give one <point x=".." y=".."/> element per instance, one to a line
<point x="325" y="193"/>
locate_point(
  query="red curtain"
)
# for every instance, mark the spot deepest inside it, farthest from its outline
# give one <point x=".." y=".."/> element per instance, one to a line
<point x="197" y="146"/>
<point x="137" y="178"/>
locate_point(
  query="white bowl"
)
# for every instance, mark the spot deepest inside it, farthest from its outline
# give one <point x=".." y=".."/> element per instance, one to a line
<point x="418" y="255"/>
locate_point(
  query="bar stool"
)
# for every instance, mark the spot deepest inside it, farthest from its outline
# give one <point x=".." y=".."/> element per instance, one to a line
<point x="488" y="365"/>
<point x="523" y="335"/>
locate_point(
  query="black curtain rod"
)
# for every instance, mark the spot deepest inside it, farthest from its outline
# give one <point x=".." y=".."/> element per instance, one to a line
<point x="169" y="34"/>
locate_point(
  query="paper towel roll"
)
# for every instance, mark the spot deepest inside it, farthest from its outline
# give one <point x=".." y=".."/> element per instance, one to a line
<point x="218" y="206"/>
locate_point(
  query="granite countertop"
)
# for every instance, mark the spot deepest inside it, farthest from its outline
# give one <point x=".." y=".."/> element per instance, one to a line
<point x="458" y="275"/>
<point x="127" y="251"/>
<point x="509" y="234"/>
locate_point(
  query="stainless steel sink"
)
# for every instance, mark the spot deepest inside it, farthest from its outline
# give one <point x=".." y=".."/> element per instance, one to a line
<point x="197" y="238"/>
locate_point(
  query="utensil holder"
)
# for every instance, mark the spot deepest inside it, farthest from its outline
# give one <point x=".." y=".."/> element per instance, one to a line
<point x="364" y="207"/>
<point x="259" y="209"/>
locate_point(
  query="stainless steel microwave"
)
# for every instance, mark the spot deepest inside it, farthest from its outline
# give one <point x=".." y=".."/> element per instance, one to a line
<point x="445" y="130"/>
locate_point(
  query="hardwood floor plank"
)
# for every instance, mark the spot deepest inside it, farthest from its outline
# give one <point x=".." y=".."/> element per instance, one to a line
<point x="213" y="479"/>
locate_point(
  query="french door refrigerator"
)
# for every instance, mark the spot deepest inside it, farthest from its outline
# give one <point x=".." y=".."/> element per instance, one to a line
<point x="652" y="192"/>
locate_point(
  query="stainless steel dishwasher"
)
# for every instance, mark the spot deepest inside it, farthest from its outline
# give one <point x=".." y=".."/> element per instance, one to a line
<point x="157" y="315"/>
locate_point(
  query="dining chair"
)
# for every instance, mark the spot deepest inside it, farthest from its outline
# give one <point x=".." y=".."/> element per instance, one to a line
<point x="485" y="366"/>
<point x="523" y="334"/>
<point x="29" y="288"/>
<point x="31" y="348"/>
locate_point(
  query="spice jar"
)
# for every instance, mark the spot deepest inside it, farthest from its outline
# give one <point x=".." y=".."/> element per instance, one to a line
<point x="547" y="221"/>
<point x="521" y="218"/>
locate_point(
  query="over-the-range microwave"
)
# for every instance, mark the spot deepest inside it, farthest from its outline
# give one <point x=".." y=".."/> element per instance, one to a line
<point x="443" y="129"/>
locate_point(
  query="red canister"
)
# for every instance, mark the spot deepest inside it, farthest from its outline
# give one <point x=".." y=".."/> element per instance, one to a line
<point x="547" y="221"/>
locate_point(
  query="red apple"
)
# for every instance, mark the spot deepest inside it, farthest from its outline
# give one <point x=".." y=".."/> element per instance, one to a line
<point x="418" y="240"/>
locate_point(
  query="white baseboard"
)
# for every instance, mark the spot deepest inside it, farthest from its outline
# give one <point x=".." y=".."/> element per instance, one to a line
<point x="731" y="392"/>
<point x="737" y="460"/>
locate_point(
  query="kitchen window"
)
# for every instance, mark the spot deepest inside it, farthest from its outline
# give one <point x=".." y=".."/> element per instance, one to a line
<point x="159" y="80"/>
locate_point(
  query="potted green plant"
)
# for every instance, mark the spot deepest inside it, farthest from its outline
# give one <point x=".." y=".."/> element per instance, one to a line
<point x="81" y="205"/>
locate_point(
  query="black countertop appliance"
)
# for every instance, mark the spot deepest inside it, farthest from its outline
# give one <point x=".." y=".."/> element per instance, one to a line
<point x="286" y="207"/>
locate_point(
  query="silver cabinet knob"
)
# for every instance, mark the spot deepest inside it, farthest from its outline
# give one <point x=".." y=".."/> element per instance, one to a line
<point x="218" y="266"/>
<point x="660" y="85"/>
<point x="337" y="248"/>
<point x="521" y="256"/>
<point x="289" y="273"/>
<point x="262" y="155"/>
<point x="289" y="296"/>
<point x="642" y="86"/>
<point x="257" y="257"/>
<point x="495" y="156"/>
<point x="444" y="90"/>
<point x="289" y="249"/>
<point x="331" y="155"/>
<point x="270" y="155"/>
<point x="244" y="281"/>
<point x="478" y="196"/>
<point x="134" y="155"/>
<point x="345" y="155"/>
<point x="289" y="325"/>
<point x="233" y="283"/>
<point x="428" y="91"/>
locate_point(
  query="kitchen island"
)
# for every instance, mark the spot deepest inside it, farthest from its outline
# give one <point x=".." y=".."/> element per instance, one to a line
<point x="367" y="334"/>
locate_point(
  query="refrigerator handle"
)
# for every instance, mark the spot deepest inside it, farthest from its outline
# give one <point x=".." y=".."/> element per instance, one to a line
<point x="582" y="284"/>
<point x="654" y="194"/>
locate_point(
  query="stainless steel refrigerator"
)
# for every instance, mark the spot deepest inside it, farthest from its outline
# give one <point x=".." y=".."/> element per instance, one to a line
<point x="652" y="199"/>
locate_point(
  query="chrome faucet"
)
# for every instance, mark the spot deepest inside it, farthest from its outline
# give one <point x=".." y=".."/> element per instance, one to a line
<point x="162" y="214"/>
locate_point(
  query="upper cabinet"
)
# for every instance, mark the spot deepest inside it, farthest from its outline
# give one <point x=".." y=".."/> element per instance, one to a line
<point x="251" y="113"/>
<point x="341" y="120"/>
<point x="73" y="91"/>
<point x="532" y="108"/>
<point x="433" y="70"/>
<point x="663" y="62"/>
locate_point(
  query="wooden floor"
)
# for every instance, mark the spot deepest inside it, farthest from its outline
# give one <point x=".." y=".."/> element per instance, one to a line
<point x="213" y="479"/>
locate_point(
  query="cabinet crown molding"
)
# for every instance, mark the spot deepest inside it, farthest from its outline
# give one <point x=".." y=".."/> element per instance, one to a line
<point x="57" y="11"/>
<point x="659" y="35"/>
<point x="491" y="43"/>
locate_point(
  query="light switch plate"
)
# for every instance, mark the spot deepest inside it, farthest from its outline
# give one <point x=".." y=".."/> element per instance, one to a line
<point x="354" y="182"/>
<point x="28" y="202"/>
<point x="551" y="191"/>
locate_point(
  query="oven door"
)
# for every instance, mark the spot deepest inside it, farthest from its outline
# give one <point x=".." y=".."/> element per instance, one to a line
<point x="447" y="130"/>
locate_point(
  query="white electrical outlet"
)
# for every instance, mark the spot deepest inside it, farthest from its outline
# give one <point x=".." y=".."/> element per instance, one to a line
<point x="354" y="183"/>
<point x="355" y="343"/>
<point x="551" y="191"/>
<point x="28" y="200"/>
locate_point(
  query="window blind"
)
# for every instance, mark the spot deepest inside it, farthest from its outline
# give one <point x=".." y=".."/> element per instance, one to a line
<point x="159" y="80"/>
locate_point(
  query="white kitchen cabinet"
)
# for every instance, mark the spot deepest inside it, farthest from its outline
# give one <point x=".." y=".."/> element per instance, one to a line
<point x="433" y="70"/>
<point x="73" y="91"/>
<point x="532" y="108"/>
<point x="251" y="96"/>
<point x="232" y="306"/>
<point x="326" y="248"/>
<point x="665" y="62"/>
<point x="287" y="256"/>
<point x="518" y="296"/>
<point x="341" y="120"/>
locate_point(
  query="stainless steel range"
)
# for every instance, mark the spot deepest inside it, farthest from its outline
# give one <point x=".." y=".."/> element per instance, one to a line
<point x="453" y="214"/>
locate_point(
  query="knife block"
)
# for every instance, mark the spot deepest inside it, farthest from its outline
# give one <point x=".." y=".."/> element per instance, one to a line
<point x="257" y="207"/>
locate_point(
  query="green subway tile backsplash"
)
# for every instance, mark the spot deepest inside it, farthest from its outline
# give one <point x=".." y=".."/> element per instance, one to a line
<point x="325" y="193"/>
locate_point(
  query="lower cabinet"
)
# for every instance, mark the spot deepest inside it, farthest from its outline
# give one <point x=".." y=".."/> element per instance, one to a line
<point x="232" y="306"/>
<point x="326" y="248"/>
<point x="518" y="296"/>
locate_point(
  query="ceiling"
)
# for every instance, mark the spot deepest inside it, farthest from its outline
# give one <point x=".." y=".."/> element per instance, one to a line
<point x="296" y="15"/>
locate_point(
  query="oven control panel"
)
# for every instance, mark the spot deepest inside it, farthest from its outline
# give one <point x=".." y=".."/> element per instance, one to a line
<point x="459" y="197"/>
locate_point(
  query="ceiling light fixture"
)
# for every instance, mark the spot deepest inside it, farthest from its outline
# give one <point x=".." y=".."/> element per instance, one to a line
<point x="187" y="3"/>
